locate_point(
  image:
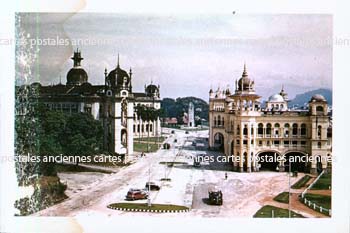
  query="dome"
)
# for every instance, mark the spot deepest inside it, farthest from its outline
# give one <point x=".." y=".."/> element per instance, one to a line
<point x="318" y="98"/>
<point x="151" y="89"/>
<point x="118" y="76"/>
<point x="276" y="98"/>
<point x="76" y="76"/>
<point x="244" y="83"/>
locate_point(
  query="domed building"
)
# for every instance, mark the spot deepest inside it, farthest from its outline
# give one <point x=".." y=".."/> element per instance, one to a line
<point x="76" y="75"/>
<point x="246" y="131"/>
<point x="113" y="103"/>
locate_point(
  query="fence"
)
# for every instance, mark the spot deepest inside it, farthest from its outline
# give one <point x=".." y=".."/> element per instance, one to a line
<point x="312" y="204"/>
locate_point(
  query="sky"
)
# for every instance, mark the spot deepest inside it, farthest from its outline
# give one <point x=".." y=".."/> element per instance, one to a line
<point x="185" y="54"/>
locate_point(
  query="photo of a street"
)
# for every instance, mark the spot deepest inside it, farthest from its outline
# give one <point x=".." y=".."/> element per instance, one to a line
<point x="243" y="193"/>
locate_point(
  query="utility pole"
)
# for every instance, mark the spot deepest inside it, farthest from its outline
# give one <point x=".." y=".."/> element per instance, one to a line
<point x="289" y="194"/>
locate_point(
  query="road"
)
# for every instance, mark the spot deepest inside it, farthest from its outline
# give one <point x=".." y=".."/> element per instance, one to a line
<point x="243" y="193"/>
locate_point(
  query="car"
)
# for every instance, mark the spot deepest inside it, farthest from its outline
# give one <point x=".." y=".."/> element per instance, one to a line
<point x="152" y="186"/>
<point x="196" y="164"/>
<point x="136" y="194"/>
<point x="215" y="197"/>
<point x="186" y="132"/>
<point x="166" y="146"/>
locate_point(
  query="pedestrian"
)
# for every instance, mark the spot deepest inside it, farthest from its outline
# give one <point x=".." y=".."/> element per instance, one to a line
<point x="225" y="175"/>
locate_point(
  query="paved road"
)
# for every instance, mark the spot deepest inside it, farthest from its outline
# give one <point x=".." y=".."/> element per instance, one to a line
<point x="243" y="193"/>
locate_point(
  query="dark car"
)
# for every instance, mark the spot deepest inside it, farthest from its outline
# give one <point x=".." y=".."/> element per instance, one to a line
<point x="215" y="197"/>
<point x="152" y="186"/>
<point x="136" y="194"/>
<point x="166" y="146"/>
<point x="186" y="132"/>
<point x="196" y="164"/>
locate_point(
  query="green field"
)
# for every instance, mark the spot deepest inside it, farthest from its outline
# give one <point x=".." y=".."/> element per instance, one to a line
<point x="302" y="182"/>
<point x="151" y="139"/>
<point x="142" y="147"/>
<point x="320" y="200"/>
<point x="144" y="206"/>
<point x="282" y="197"/>
<point x="266" y="212"/>
<point x="324" y="182"/>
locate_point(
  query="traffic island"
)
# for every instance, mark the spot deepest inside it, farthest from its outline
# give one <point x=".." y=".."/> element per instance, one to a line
<point x="143" y="207"/>
<point x="269" y="211"/>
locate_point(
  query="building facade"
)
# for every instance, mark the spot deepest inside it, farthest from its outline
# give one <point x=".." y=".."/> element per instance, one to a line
<point x="112" y="103"/>
<point x="247" y="132"/>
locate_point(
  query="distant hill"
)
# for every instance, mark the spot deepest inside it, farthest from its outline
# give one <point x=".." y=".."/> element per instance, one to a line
<point x="177" y="107"/>
<point x="301" y="99"/>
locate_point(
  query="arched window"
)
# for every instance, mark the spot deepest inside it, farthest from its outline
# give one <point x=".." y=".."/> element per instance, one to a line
<point x="223" y="121"/>
<point x="286" y="125"/>
<point x="215" y="123"/>
<point x="268" y="129"/>
<point x="251" y="130"/>
<point x="295" y="129"/>
<point x="219" y="120"/>
<point x="319" y="130"/>
<point x="277" y="125"/>
<point x="319" y="109"/>
<point x="260" y="128"/>
<point x="303" y="129"/>
<point x="245" y="130"/>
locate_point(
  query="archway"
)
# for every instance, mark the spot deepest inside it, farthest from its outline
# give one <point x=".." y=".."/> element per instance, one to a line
<point x="297" y="161"/>
<point x="268" y="161"/>
<point x="219" y="141"/>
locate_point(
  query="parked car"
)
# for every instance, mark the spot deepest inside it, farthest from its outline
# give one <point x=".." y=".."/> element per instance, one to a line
<point x="152" y="186"/>
<point x="215" y="197"/>
<point x="136" y="194"/>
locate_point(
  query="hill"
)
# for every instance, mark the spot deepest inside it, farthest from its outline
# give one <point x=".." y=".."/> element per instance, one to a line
<point x="303" y="98"/>
<point x="177" y="107"/>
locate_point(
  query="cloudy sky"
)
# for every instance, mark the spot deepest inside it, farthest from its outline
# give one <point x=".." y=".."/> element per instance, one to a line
<point x="187" y="54"/>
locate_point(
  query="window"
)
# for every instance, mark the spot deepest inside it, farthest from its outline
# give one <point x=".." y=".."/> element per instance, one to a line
<point x="215" y="121"/>
<point x="319" y="129"/>
<point x="245" y="142"/>
<point x="286" y="143"/>
<point x="252" y="142"/>
<point x="260" y="128"/>
<point x="268" y="129"/>
<point x="295" y="143"/>
<point x="219" y="120"/>
<point x="303" y="143"/>
<point x="303" y="129"/>
<point x="260" y="143"/>
<point x="277" y="125"/>
<point x="245" y="130"/>
<point x="276" y="142"/>
<point x="295" y="129"/>
<point x="268" y="143"/>
<point x="286" y="125"/>
<point x="133" y="128"/>
<point x="319" y="145"/>
<point x="237" y="142"/>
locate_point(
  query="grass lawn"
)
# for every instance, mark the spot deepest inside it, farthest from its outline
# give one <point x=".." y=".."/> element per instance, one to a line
<point x="151" y="139"/>
<point x="73" y="168"/>
<point x="266" y="212"/>
<point x="302" y="182"/>
<point x="142" y="147"/>
<point x="143" y="206"/>
<point x="324" y="182"/>
<point x="282" y="197"/>
<point x="320" y="200"/>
